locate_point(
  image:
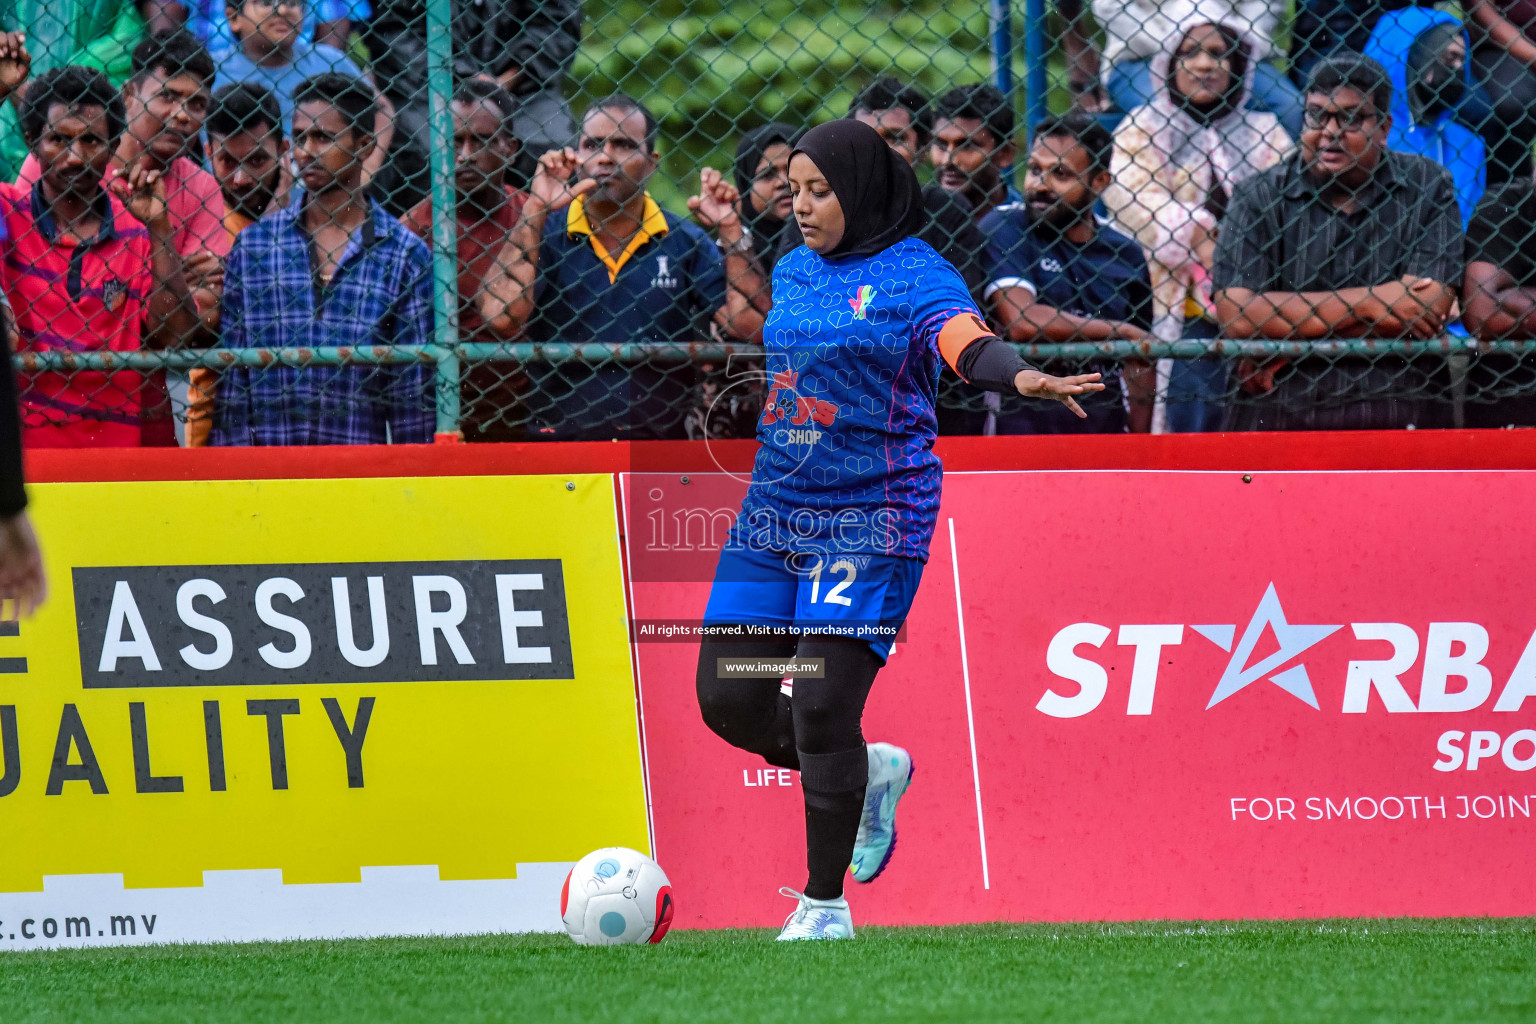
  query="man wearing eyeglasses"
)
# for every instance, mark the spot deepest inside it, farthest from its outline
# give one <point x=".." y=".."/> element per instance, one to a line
<point x="1343" y="239"/>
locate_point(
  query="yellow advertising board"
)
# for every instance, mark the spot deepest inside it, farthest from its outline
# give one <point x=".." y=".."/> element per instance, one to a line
<point x="315" y="707"/>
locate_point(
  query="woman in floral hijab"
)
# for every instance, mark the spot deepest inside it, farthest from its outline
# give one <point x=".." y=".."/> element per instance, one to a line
<point x="1175" y="163"/>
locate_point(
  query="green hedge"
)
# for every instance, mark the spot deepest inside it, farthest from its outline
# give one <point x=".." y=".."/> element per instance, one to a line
<point x="712" y="70"/>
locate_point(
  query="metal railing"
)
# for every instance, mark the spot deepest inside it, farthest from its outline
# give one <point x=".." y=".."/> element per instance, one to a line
<point x="450" y="361"/>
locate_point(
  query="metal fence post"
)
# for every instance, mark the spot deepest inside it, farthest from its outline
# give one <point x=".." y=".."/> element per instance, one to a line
<point x="1002" y="60"/>
<point x="1035" y="78"/>
<point x="1457" y="364"/>
<point x="1002" y="46"/>
<point x="445" y="257"/>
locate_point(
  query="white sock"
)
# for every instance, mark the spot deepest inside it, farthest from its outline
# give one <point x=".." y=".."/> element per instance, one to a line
<point x="839" y="903"/>
<point x="875" y="761"/>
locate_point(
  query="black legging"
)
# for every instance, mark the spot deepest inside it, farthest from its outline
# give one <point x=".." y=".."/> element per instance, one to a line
<point x="818" y="733"/>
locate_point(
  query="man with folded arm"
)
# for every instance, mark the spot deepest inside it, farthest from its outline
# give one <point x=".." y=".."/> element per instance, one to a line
<point x="1343" y="239"/>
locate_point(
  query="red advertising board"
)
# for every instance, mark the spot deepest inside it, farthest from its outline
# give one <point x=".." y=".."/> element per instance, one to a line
<point x="1136" y="695"/>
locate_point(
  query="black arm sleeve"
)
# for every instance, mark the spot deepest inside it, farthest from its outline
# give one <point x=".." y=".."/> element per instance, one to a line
<point x="991" y="364"/>
<point x="13" y="498"/>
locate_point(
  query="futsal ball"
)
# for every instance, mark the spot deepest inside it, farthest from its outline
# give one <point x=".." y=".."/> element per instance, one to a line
<point x="616" y="896"/>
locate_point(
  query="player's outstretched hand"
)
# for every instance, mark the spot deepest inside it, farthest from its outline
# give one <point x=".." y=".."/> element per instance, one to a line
<point x="1034" y="384"/>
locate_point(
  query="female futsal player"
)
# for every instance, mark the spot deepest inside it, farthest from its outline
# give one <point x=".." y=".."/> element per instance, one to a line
<point x="824" y="559"/>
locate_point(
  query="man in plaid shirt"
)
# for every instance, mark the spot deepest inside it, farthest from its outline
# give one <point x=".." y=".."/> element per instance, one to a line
<point x="333" y="269"/>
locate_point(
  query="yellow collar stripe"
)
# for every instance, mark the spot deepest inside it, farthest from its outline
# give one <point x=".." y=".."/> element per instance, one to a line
<point x="652" y="224"/>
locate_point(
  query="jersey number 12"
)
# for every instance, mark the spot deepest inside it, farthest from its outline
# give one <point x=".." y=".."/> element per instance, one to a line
<point x="835" y="595"/>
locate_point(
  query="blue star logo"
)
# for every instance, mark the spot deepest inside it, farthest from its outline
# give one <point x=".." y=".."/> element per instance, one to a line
<point x="1293" y="640"/>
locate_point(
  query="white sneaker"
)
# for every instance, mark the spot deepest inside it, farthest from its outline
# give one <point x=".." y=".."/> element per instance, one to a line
<point x="890" y="772"/>
<point x="816" y="919"/>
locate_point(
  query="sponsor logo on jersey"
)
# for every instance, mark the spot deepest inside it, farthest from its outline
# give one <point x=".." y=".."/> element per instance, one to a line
<point x="860" y="301"/>
<point x="786" y="404"/>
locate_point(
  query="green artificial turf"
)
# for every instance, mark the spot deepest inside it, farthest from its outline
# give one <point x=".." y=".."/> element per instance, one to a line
<point x="1461" y="970"/>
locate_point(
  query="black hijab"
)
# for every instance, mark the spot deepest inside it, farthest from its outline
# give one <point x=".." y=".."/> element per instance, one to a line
<point x="881" y="199"/>
<point x="764" y="227"/>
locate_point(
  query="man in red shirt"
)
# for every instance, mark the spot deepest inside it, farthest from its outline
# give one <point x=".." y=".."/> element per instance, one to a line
<point x="167" y="101"/>
<point x="89" y="269"/>
<point x="167" y="97"/>
<point x="487" y="208"/>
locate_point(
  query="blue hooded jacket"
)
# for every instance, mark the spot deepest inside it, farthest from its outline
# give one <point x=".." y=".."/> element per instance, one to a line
<point x="1453" y="146"/>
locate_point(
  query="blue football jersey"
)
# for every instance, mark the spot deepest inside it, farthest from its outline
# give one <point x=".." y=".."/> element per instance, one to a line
<point x="846" y="462"/>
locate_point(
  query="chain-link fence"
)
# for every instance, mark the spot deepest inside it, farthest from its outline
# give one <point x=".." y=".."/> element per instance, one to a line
<point x="353" y="221"/>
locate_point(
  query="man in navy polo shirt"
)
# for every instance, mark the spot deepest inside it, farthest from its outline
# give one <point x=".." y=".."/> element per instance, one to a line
<point x="598" y="260"/>
<point x="1058" y="274"/>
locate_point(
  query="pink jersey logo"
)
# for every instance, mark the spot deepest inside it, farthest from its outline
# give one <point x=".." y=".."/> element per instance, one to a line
<point x="860" y="301"/>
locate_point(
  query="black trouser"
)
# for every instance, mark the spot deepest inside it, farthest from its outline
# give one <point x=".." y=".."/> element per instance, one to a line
<point x="1501" y="391"/>
<point x="818" y="733"/>
<point x="1348" y="393"/>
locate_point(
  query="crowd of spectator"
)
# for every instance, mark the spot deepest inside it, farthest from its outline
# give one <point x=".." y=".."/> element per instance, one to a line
<point x="246" y="176"/>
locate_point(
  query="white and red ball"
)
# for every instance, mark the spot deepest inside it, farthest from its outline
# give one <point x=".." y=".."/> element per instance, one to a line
<point x="616" y="896"/>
